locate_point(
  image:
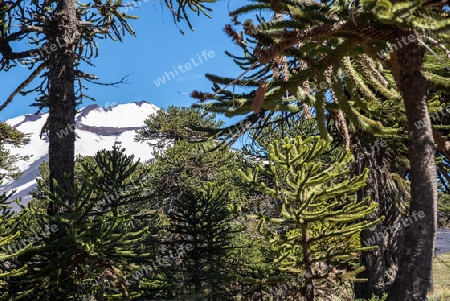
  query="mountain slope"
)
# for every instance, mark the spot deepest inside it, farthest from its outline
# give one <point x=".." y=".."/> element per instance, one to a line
<point x="96" y="128"/>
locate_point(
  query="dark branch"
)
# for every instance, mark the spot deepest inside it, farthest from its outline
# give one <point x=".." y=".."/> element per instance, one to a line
<point x="17" y="55"/>
<point x="24" y="84"/>
<point x="121" y="81"/>
<point x="81" y="74"/>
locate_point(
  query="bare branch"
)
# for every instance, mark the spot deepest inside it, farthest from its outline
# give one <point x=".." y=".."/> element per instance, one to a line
<point x="85" y="23"/>
<point x="41" y="18"/>
<point x="121" y="81"/>
<point x="18" y="55"/>
<point x="434" y="3"/>
<point x="101" y="30"/>
<point x="32" y="28"/>
<point x="24" y="84"/>
<point x="81" y="74"/>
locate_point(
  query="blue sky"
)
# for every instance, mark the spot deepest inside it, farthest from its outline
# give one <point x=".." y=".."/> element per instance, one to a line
<point x="157" y="48"/>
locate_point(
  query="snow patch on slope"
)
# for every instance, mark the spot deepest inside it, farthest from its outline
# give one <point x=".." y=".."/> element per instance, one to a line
<point x="96" y="128"/>
<point x="122" y="115"/>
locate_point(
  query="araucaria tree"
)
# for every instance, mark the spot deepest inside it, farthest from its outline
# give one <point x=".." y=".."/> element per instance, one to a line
<point x="194" y="190"/>
<point x="63" y="35"/>
<point x="203" y="219"/>
<point x="317" y="233"/>
<point x="8" y="232"/>
<point x="91" y="250"/>
<point x="301" y="58"/>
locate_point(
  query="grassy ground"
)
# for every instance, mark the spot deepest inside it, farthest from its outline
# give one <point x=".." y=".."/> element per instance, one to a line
<point x="441" y="277"/>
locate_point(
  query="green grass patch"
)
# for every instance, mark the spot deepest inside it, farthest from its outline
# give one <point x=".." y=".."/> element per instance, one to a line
<point x="441" y="278"/>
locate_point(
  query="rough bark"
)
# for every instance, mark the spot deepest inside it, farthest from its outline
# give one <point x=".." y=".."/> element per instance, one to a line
<point x="61" y="35"/>
<point x="308" y="290"/>
<point x="414" y="276"/>
<point x="381" y="265"/>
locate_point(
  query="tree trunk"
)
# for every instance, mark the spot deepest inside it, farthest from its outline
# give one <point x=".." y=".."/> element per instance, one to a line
<point x="309" y="289"/>
<point x="61" y="36"/>
<point x="380" y="265"/>
<point x="414" y="276"/>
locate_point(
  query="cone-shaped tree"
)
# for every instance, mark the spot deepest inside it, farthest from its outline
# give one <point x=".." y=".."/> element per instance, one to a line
<point x="92" y="248"/>
<point x="203" y="220"/>
<point x="317" y="233"/>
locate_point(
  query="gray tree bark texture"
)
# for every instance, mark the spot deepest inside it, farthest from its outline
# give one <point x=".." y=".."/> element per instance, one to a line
<point x="414" y="276"/>
<point x="62" y="32"/>
<point x="381" y="265"/>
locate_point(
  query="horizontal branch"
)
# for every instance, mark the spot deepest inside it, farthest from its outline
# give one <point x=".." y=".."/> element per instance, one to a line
<point x="32" y="28"/>
<point x="85" y="23"/>
<point x="41" y="18"/>
<point x="20" y="55"/>
<point x="100" y="6"/>
<point x="81" y="74"/>
<point x="121" y="81"/>
<point x="360" y="31"/>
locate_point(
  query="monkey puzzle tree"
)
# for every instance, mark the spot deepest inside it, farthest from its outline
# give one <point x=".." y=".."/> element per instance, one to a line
<point x="176" y="124"/>
<point x="8" y="236"/>
<point x="304" y="58"/>
<point x="317" y="233"/>
<point x="94" y="246"/>
<point x="63" y="35"/>
<point x="203" y="219"/>
<point x="11" y="136"/>
<point x="195" y="213"/>
<point x="8" y="232"/>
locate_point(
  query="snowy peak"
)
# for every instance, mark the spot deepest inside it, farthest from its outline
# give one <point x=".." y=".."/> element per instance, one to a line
<point x="95" y="127"/>
<point x="118" y="115"/>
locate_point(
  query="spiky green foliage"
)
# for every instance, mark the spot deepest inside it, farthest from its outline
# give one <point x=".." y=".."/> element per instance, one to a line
<point x="8" y="236"/>
<point x="62" y="34"/>
<point x="178" y="175"/>
<point x="11" y="136"/>
<point x="185" y="165"/>
<point x="183" y="7"/>
<point x="278" y="127"/>
<point x="86" y="252"/>
<point x="121" y="183"/>
<point x="257" y="271"/>
<point x="177" y="123"/>
<point x="360" y="86"/>
<point x="122" y="179"/>
<point x="444" y="209"/>
<point x="300" y="70"/>
<point x="203" y="220"/>
<point x="43" y="177"/>
<point x="339" y="60"/>
<point x="317" y="233"/>
<point x="347" y="55"/>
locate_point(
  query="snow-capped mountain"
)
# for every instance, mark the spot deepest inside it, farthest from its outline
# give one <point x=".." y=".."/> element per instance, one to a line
<point x="96" y="128"/>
